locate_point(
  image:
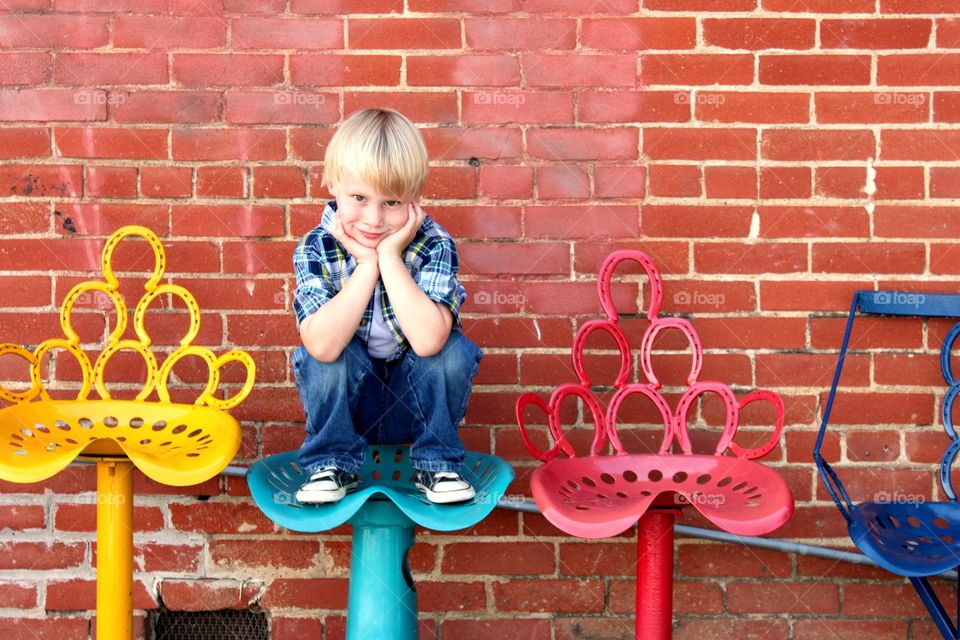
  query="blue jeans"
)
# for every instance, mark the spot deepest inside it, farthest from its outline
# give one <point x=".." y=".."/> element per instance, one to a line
<point x="357" y="400"/>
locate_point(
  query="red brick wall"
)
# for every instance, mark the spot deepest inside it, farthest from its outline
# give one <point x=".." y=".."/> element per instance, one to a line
<point x="771" y="155"/>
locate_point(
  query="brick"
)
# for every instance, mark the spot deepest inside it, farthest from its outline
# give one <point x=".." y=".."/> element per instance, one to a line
<point x="208" y="595"/>
<point x="450" y="183"/>
<point x="24" y="142"/>
<point x="583" y="144"/>
<point x="18" y="595"/>
<point x="856" y="107"/>
<point x="700" y="143"/>
<point x="293" y="33"/>
<point x="882" y="408"/>
<point x="948" y="33"/>
<point x="46" y="180"/>
<point x="48" y="628"/>
<point x="591" y="221"/>
<point x="580" y="70"/>
<point x="403" y="33"/>
<point x="785" y="182"/>
<point x="759" y="332"/>
<point x="726" y="257"/>
<point x="841" y="182"/>
<point x="45" y="105"/>
<point x="943" y="259"/>
<point x="216" y="69"/>
<point x="278" y="182"/>
<point x="103" y="219"/>
<point x="111" y="182"/>
<point x="321" y="7"/>
<point x="306" y="593"/>
<point x="228" y="144"/>
<point x="634" y="106"/>
<point x="52" y="31"/>
<point x="338" y="70"/>
<point x="619" y="181"/>
<point x="110" y="68"/>
<point x="163" y="32"/>
<point x="812" y="295"/>
<point x="810" y="370"/>
<point x="906" y="144"/>
<point x="551" y="595"/>
<point x="223" y="182"/>
<point x="592" y="627"/>
<point x="925" y="446"/>
<point x="572" y="297"/>
<point x="42" y="555"/>
<point x="83" y="517"/>
<point x="869" y="258"/>
<point x="800" y="598"/>
<point x="463" y="70"/>
<point x="591" y="559"/>
<point x="560" y="182"/>
<point x="696" y="221"/>
<point x="916" y="222"/>
<point x="943" y="182"/>
<point x="674" y="180"/>
<point x="524" y="259"/>
<point x="497" y="143"/>
<point x="511" y="34"/>
<point x="480" y="629"/>
<point x="295" y="627"/>
<point x="520" y="332"/>
<point x="873" y="446"/>
<point x="941" y="69"/>
<point x="227" y="220"/>
<point x="79" y="595"/>
<point x="820" y="6"/>
<point x="165" y="106"/>
<point x="506" y="182"/>
<point x="287" y="107"/>
<point x="247" y="552"/>
<point x="25" y="68"/>
<point x="875" y="34"/>
<point x="634" y="34"/>
<point x="700" y="5"/>
<point x="759" y="33"/>
<point x="868" y="333"/>
<point x="166" y="182"/>
<point x="498" y="558"/>
<point x="419" y="107"/>
<point x="451" y="596"/>
<point x="146" y="144"/>
<point x="782" y="144"/>
<point x="730" y="182"/>
<point x="900" y="183"/>
<point x="22" y="517"/>
<point x="768" y="108"/>
<point x="697" y="69"/>
<point x="836" y="70"/>
<point x="805" y="222"/>
<point x="946" y="106"/>
<point x="850" y="629"/>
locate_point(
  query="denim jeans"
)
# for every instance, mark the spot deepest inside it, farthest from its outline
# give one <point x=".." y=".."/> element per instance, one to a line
<point x="358" y="400"/>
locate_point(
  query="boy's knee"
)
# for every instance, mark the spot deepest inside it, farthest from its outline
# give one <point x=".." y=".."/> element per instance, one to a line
<point x="351" y="362"/>
<point x="459" y="354"/>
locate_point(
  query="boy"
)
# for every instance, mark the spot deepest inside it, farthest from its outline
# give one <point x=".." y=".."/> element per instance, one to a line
<point x="383" y="359"/>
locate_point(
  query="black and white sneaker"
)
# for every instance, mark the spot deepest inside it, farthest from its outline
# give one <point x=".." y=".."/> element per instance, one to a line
<point x="325" y="485"/>
<point x="444" y="487"/>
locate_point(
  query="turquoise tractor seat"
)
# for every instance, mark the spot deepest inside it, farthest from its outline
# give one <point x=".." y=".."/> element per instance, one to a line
<point x="383" y="511"/>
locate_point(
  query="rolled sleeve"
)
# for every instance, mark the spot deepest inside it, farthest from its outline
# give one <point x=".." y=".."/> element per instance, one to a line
<point x="315" y="287"/>
<point x="438" y="276"/>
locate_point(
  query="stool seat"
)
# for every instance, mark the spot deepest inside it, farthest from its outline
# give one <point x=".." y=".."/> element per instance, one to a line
<point x="603" y="496"/>
<point x="383" y="512"/>
<point x="386" y="474"/>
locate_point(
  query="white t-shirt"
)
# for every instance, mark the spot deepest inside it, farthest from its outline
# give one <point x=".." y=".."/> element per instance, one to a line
<point x="381" y="343"/>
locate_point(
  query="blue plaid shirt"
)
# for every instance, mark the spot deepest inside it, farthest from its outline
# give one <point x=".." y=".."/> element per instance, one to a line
<point x="322" y="266"/>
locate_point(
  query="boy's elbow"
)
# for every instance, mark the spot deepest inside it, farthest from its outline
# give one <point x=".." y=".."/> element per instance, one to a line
<point x="431" y="347"/>
<point x="323" y="354"/>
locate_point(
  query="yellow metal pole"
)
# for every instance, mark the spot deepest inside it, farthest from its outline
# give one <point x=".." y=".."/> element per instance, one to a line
<point x="114" y="550"/>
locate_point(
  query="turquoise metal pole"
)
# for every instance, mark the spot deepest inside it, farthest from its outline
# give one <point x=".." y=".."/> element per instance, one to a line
<point x="383" y="599"/>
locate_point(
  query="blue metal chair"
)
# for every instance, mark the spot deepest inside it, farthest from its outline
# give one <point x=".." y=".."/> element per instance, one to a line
<point x="911" y="539"/>
<point x="382" y="602"/>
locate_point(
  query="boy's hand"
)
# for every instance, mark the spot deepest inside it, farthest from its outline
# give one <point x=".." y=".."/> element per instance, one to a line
<point x="396" y="242"/>
<point x="361" y="253"/>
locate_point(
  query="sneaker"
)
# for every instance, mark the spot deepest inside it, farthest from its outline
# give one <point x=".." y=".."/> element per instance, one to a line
<point x="444" y="487"/>
<point x="328" y="484"/>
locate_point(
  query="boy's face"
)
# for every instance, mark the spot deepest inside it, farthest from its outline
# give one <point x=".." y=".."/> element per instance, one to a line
<point x="367" y="215"/>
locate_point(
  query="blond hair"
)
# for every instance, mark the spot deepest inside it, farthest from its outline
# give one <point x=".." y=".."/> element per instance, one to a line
<point x="380" y="147"/>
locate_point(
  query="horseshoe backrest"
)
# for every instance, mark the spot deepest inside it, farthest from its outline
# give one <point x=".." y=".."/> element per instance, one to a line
<point x="674" y="419"/>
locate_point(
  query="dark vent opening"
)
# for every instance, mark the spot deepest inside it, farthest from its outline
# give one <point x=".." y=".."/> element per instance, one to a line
<point x="208" y="625"/>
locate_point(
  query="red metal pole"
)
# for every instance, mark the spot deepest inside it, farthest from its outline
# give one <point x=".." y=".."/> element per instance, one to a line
<point x="655" y="574"/>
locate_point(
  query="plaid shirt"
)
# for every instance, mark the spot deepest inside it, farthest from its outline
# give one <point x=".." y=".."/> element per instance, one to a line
<point x="322" y="266"/>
